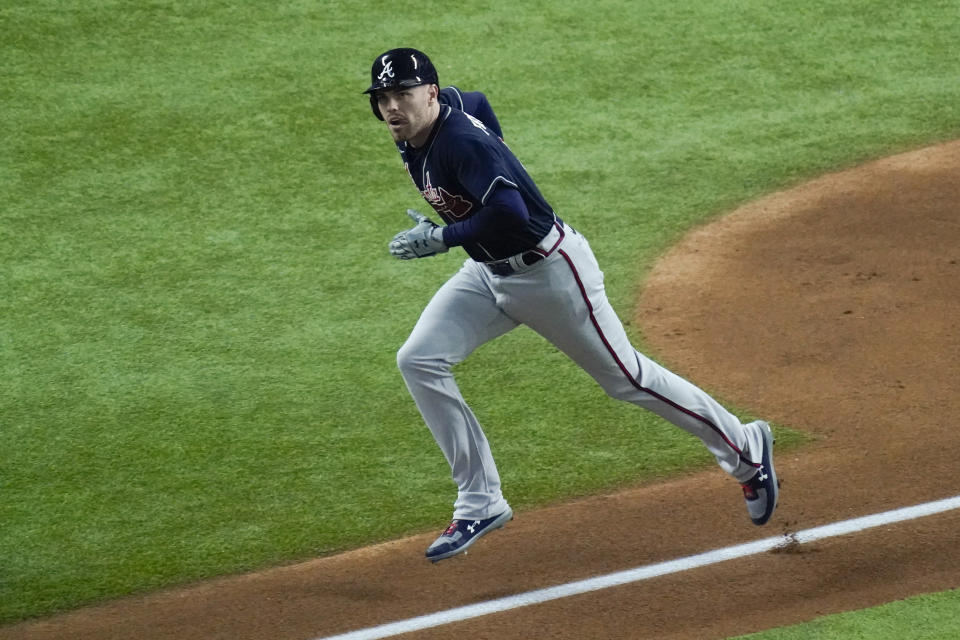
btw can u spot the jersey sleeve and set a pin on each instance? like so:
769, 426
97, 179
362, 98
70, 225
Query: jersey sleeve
504, 211
481, 165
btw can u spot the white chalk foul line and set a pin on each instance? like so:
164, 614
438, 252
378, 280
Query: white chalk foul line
645, 573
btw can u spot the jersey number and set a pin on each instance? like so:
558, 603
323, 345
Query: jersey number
477, 123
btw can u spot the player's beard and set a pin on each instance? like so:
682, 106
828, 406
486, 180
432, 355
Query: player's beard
400, 132
413, 128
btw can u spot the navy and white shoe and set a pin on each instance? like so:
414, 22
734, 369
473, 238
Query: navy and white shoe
462, 533
762, 490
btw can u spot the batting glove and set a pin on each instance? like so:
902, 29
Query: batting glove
423, 240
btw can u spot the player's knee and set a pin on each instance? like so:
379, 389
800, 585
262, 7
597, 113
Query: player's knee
620, 391
405, 358
412, 359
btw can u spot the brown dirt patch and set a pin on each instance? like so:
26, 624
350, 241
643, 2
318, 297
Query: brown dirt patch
831, 307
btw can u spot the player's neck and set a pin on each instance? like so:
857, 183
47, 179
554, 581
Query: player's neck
423, 135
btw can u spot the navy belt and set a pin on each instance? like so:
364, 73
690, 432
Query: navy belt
504, 268
520, 262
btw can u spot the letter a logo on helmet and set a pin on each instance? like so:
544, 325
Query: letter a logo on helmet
399, 69
387, 71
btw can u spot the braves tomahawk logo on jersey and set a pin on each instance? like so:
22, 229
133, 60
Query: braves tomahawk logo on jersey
449, 205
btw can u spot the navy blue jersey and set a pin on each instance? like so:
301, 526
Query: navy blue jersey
457, 169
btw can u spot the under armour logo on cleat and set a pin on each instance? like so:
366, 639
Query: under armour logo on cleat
471, 527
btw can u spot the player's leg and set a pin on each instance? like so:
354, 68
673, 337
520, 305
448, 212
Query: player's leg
565, 301
600, 345
461, 316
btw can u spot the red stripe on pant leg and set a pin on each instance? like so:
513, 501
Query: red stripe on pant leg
634, 381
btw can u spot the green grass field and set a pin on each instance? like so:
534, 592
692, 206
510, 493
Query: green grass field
199, 317
929, 617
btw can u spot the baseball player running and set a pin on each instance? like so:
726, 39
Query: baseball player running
525, 266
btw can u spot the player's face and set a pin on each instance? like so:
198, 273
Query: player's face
409, 113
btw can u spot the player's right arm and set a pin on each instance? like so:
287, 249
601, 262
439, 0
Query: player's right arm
504, 212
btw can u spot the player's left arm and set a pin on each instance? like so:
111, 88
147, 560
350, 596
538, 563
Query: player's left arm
475, 103
481, 109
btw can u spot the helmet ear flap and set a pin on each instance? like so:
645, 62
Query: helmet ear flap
374, 106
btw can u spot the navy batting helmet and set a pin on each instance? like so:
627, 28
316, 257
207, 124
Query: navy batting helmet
397, 69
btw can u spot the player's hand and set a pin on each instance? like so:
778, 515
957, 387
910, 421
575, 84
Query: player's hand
423, 240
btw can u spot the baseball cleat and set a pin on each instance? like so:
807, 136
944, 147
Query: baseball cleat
762, 490
462, 533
